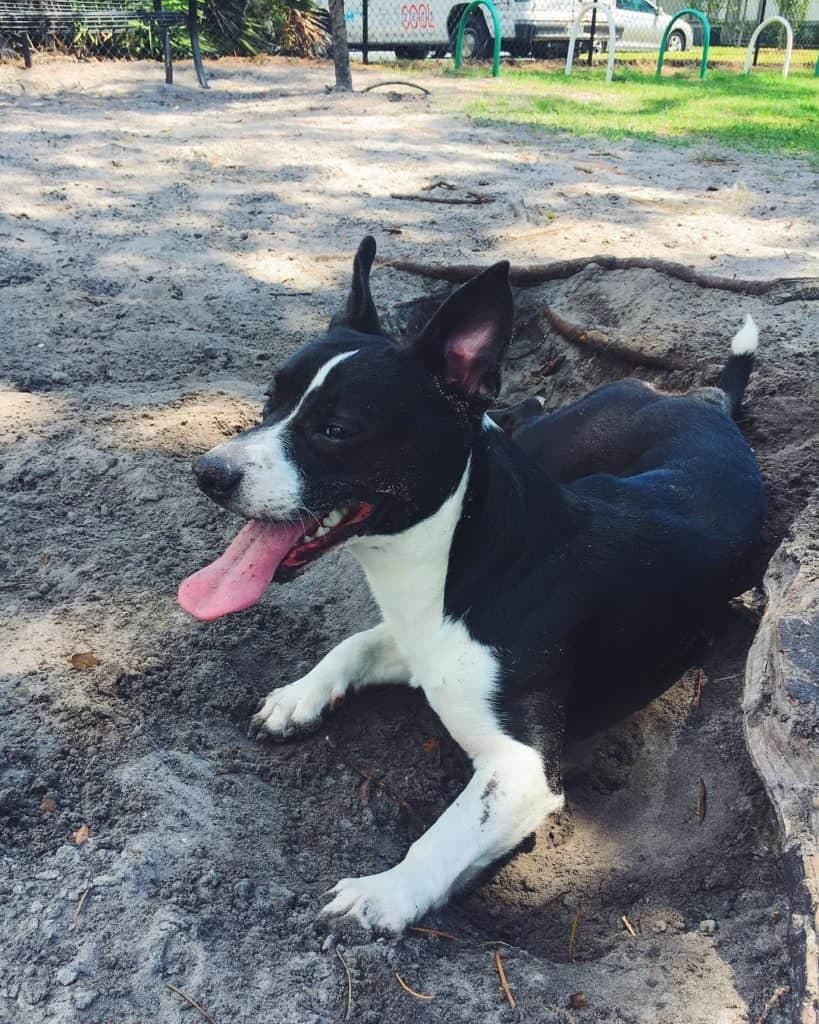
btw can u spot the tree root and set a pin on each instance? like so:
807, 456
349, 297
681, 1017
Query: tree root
776, 290
603, 345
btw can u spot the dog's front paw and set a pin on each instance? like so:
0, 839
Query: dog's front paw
381, 903
297, 708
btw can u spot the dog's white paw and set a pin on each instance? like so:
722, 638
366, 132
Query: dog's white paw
292, 709
381, 903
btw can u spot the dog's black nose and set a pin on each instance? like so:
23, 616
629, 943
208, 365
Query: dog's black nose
216, 475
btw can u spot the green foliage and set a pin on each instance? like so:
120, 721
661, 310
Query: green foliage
242, 27
757, 112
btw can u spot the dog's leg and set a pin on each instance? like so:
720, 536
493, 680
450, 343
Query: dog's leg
506, 800
360, 660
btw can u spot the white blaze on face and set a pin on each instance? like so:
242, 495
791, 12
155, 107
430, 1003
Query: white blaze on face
271, 485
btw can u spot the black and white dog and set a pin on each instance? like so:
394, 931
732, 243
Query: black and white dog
517, 578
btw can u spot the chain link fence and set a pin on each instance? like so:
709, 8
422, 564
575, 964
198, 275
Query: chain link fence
416, 29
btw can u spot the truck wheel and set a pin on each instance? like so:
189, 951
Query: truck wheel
477, 44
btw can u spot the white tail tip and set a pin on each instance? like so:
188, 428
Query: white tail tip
746, 339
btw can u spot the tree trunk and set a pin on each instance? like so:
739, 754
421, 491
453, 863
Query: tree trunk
341, 54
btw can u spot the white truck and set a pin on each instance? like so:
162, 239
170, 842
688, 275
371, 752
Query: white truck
418, 28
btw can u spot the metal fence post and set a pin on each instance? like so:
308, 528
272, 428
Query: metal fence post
365, 32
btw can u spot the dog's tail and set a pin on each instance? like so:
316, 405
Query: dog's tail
734, 377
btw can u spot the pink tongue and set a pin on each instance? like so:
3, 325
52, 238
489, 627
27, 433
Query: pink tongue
239, 578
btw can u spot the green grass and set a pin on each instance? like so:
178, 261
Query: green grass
756, 112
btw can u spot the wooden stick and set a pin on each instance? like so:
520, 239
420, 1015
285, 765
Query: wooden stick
775, 999
473, 199
349, 983
434, 933
191, 1002
406, 988
629, 926
573, 936
603, 345
81, 903
779, 289
397, 81
504, 983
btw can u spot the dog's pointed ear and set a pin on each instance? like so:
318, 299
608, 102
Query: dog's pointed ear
359, 313
465, 340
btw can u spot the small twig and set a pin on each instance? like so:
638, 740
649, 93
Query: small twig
81, 903
405, 805
775, 1000
504, 983
702, 802
573, 936
406, 988
549, 368
434, 933
698, 691
286, 295
349, 1005
190, 1001
440, 183
397, 81
629, 926
473, 199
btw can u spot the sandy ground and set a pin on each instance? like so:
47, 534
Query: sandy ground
160, 251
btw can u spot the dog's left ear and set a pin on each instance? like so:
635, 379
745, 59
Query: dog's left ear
359, 313
465, 340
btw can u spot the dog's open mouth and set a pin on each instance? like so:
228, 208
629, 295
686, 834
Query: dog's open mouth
238, 578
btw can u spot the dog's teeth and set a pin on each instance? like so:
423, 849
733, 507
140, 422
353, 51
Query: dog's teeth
320, 532
333, 519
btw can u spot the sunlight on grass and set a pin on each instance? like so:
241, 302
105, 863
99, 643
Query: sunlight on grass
760, 112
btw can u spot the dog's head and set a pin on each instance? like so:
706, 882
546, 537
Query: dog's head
360, 435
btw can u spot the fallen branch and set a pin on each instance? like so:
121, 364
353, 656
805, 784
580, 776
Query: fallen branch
349, 983
411, 991
397, 81
777, 289
504, 983
190, 1002
602, 344
473, 199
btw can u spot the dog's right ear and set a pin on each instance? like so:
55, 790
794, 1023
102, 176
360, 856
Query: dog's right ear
359, 314
464, 342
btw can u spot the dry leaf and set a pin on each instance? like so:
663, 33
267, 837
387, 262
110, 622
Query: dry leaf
82, 835
48, 806
84, 660
578, 1001
430, 744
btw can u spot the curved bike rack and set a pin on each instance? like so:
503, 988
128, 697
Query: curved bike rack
706, 38
788, 45
459, 42
575, 29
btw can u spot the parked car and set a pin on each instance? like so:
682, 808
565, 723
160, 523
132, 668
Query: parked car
643, 24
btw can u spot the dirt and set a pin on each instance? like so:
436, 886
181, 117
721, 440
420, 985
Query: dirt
161, 251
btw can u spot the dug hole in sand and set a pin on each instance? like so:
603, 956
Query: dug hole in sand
162, 250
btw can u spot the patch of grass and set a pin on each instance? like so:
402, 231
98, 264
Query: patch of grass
757, 112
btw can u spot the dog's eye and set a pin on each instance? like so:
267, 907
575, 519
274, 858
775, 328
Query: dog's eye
335, 432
